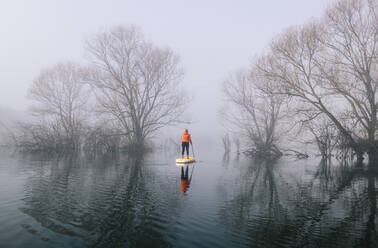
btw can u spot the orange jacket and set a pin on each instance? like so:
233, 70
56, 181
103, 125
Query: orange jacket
184, 185
186, 137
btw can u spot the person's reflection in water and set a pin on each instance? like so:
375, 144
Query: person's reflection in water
185, 180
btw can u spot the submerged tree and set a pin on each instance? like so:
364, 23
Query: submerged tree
60, 99
350, 67
226, 143
254, 111
326, 136
330, 68
136, 83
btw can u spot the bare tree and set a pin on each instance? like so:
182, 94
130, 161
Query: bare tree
326, 135
60, 99
350, 65
226, 143
102, 138
7, 135
237, 145
136, 83
254, 112
330, 68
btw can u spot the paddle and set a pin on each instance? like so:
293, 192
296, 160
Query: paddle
193, 150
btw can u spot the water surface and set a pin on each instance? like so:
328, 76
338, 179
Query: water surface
69, 201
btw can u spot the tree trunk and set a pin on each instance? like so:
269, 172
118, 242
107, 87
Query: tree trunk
373, 158
360, 156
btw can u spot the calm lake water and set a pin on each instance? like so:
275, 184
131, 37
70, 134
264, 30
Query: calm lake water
144, 202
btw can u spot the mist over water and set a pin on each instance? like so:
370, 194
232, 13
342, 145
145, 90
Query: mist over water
123, 201
279, 98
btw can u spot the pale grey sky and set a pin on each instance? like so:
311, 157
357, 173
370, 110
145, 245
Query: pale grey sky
212, 37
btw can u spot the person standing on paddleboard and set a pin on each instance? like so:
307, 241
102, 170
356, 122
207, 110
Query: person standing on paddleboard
186, 139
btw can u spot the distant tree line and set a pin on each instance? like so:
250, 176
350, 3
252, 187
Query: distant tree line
321, 76
129, 89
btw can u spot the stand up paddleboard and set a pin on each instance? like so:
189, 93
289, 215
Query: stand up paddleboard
184, 161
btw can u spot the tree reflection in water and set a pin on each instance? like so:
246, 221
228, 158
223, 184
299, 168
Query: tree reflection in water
334, 207
107, 205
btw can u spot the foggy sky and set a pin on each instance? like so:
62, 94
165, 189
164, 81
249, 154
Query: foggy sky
213, 38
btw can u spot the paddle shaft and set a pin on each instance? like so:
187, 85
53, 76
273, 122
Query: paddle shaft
193, 150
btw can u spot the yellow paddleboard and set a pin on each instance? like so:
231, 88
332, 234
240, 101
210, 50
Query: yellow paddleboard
185, 160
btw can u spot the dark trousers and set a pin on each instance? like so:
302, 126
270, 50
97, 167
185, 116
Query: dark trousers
184, 175
185, 145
